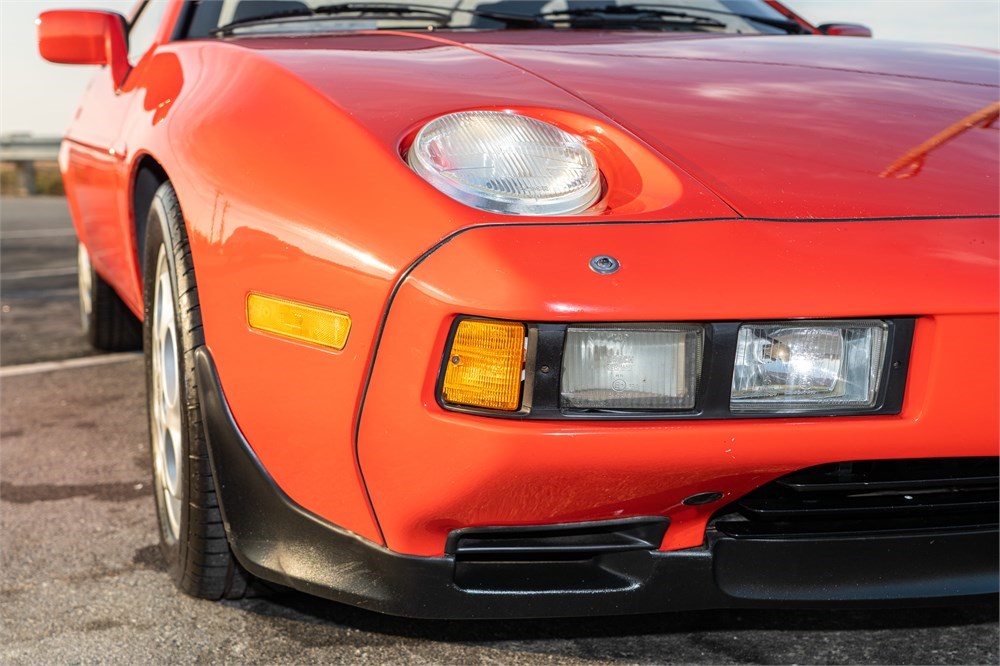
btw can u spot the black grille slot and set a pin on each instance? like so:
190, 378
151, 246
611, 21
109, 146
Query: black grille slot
562, 557
561, 541
870, 496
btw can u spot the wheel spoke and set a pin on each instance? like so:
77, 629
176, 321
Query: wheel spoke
166, 401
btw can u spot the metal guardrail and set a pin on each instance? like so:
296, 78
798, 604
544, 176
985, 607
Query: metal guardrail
23, 151
14, 148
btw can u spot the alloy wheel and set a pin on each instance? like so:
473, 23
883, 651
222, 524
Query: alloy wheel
168, 448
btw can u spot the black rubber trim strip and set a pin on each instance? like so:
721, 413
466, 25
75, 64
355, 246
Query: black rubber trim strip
183, 22
275, 539
88, 146
383, 319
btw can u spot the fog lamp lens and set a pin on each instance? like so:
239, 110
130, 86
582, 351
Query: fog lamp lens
485, 365
631, 366
808, 366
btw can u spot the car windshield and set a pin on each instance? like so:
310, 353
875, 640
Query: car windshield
224, 18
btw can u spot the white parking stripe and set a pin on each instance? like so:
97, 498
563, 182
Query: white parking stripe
36, 233
68, 364
40, 272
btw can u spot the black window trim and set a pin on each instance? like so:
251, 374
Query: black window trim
130, 22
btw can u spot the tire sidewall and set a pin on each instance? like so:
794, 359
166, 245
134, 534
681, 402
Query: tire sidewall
109, 325
163, 231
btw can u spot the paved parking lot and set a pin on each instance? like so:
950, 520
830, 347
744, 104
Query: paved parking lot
81, 578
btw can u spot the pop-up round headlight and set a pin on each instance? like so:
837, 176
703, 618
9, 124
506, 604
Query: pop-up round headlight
506, 163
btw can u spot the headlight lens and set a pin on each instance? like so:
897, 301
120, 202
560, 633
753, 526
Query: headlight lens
808, 366
631, 366
506, 163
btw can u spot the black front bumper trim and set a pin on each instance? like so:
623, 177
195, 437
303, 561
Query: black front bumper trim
277, 540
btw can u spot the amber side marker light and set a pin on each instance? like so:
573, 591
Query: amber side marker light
485, 365
298, 321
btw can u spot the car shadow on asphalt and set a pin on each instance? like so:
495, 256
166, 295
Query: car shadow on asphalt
305, 608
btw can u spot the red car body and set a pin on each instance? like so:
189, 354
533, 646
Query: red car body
746, 179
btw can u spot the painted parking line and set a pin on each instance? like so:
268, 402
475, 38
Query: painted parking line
38, 272
68, 364
36, 233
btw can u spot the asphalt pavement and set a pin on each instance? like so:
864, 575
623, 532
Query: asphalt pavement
82, 580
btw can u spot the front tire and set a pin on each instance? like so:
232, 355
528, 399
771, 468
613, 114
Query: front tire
192, 536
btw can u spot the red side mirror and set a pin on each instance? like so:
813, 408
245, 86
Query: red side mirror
845, 30
83, 37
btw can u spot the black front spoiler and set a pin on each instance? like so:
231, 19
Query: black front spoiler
279, 541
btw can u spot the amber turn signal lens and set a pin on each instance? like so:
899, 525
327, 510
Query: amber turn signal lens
485, 364
298, 321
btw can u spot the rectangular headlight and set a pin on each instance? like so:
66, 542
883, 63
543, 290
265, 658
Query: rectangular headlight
631, 366
804, 366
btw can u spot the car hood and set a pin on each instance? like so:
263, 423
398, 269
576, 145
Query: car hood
776, 127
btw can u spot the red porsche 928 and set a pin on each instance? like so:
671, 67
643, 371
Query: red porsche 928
463, 308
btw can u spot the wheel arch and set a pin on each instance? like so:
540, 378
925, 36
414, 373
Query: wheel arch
147, 176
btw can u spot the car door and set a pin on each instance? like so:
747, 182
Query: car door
96, 157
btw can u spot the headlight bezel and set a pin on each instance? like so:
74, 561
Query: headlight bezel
543, 368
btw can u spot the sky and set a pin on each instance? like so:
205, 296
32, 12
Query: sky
39, 97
